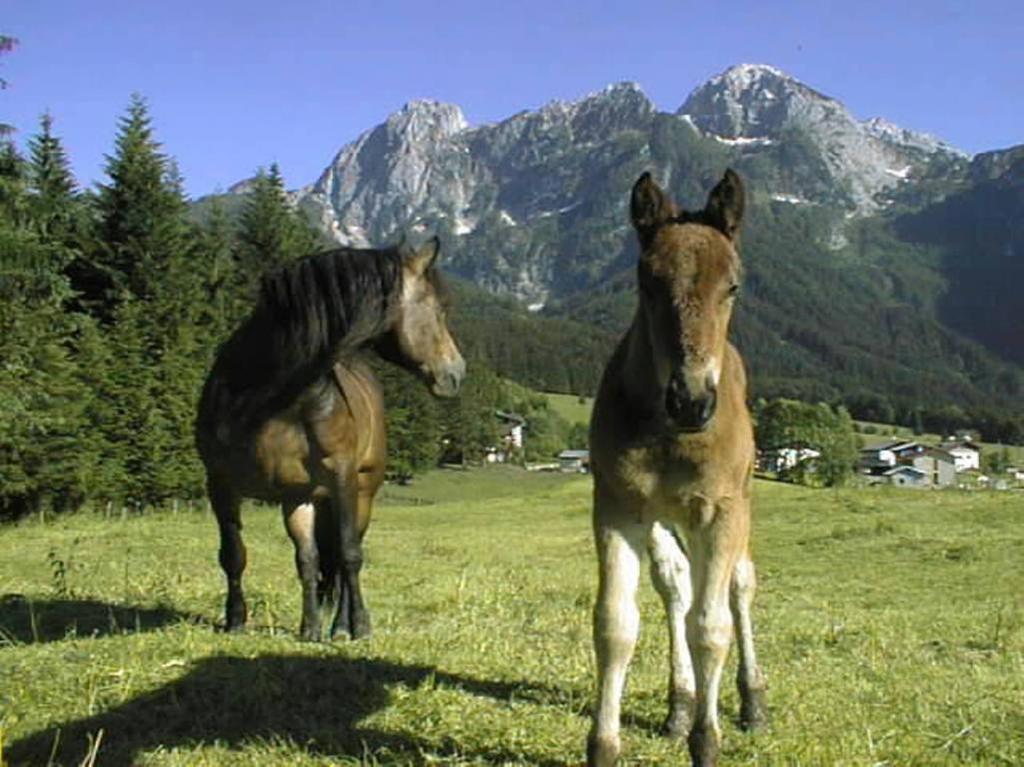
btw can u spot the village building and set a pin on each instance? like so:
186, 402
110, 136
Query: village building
577, 461
938, 465
786, 457
966, 455
906, 476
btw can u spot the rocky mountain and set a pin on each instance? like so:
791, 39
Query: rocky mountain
863, 162
860, 243
534, 204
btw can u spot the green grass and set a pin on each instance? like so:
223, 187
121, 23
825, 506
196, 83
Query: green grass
890, 624
570, 407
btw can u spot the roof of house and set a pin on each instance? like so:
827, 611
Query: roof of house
904, 469
572, 454
933, 452
962, 447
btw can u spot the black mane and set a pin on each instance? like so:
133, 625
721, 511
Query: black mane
309, 314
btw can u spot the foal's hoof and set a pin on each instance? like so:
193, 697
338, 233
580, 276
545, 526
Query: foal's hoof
753, 711
309, 634
679, 721
602, 752
677, 725
704, 746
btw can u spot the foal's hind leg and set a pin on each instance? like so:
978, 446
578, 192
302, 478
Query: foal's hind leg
232, 556
670, 572
749, 679
299, 521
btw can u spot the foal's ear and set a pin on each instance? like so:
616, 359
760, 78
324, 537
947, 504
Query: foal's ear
726, 202
649, 207
420, 260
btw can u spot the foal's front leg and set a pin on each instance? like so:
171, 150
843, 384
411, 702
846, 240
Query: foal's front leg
670, 572
299, 521
716, 543
620, 542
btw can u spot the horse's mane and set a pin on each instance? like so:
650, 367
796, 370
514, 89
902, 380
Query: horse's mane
309, 314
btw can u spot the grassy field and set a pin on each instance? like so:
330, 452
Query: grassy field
891, 627
571, 407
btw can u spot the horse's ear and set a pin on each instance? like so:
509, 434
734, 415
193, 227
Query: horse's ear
421, 259
726, 202
649, 207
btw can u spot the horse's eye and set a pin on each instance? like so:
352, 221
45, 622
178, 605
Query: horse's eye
734, 290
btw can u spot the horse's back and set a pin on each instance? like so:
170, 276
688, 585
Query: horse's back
335, 427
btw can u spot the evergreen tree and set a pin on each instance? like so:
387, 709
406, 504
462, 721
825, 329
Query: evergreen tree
270, 233
41, 399
50, 183
6, 46
142, 211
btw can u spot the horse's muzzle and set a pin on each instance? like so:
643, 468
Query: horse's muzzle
689, 413
448, 381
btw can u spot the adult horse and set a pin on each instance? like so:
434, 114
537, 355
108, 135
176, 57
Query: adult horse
672, 455
291, 414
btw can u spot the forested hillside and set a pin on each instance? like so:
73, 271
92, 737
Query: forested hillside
113, 302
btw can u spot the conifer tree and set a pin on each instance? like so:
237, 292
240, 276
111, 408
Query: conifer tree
7, 44
50, 183
142, 210
270, 232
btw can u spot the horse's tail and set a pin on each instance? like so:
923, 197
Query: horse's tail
328, 544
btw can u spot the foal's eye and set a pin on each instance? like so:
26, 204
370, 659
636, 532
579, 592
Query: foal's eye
734, 290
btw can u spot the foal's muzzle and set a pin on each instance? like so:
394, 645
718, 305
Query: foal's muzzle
689, 413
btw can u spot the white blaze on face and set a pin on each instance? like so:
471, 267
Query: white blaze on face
704, 378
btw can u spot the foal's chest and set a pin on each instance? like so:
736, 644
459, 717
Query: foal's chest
668, 481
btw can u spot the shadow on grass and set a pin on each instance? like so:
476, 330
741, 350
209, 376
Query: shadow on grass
25, 620
315, 703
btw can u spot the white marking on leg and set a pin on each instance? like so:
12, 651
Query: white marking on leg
670, 572
616, 626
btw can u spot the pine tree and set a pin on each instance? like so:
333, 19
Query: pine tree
7, 44
41, 398
270, 233
50, 183
142, 210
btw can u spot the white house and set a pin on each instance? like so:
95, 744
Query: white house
782, 458
965, 456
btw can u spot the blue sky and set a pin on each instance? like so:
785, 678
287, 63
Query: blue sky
235, 85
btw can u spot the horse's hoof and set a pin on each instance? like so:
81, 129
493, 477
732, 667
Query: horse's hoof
235, 627
361, 627
309, 635
753, 712
704, 747
602, 752
677, 726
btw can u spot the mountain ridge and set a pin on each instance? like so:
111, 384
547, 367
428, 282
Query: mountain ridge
535, 207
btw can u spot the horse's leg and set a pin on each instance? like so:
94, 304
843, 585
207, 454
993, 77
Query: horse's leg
749, 679
299, 521
330, 587
620, 540
352, 617
232, 555
670, 572
716, 543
